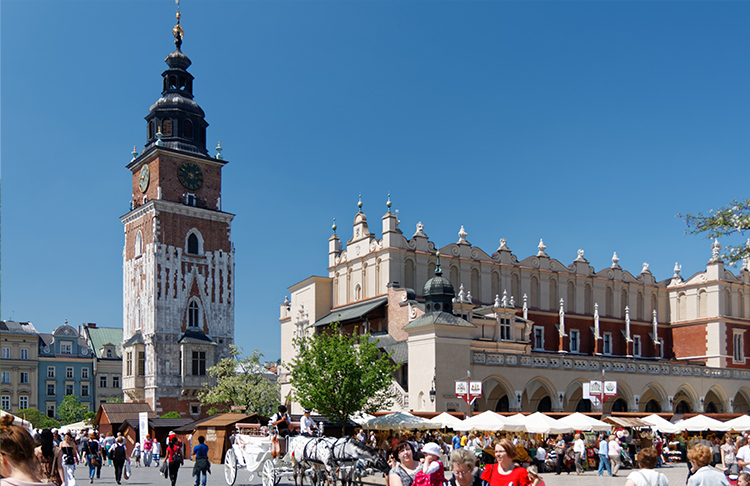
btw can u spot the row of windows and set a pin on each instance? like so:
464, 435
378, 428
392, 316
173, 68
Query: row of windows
23, 402
575, 342
141, 363
23, 355
69, 372
69, 389
198, 366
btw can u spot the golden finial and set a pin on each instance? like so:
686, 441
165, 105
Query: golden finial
177, 29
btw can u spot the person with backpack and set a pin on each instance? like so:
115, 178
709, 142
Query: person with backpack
147, 451
118, 454
174, 458
68, 459
93, 455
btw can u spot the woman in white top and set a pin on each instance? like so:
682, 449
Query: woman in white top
729, 455
647, 476
613, 451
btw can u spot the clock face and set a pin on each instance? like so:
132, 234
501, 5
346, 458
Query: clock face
190, 175
144, 178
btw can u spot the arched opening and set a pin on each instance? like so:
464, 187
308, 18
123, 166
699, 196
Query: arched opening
503, 405
409, 274
476, 290
138, 243
652, 407
711, 408
588, 299
570, 303
193, 314
620, 405
166, 127
584, 405
495, 283
192, 244
534, 293
553, 298
515, 288
609, 304
683, 407
545, 405
188, 129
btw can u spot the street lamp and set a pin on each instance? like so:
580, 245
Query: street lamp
432, 390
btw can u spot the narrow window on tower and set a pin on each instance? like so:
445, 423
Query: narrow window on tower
193, 314
190, 199
151, 129
199, 363
166, 127
129, 364
141, 363
188, 129
192, 246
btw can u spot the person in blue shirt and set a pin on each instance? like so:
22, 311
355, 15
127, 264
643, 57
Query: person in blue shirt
603, 456
456, 442
202, 466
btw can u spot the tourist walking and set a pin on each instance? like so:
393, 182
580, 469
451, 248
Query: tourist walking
118, 454
647, 476
603, 456
147, 451
202, 465
45, 455
614, 450
174, 458
155, 451
136, 454
579, 450
700, 457
18, 461
560, 449
505, 472
93, 455
68, 458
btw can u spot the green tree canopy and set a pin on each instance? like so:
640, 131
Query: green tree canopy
38, 419
241, 382
171, 414
71, 410
339, 374
729, 220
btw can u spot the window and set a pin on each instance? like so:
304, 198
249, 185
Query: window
607, 344
24, 353
193, 313
575, 340
51, 390
6, 353
190, 201
166, 127
109, 353
141, 363
23, 402
69, 372
739, 346
188, 129
24, 378
50, 371
66, 348
84, 390
69, 388
538, 337
129, 363
195, 410
51, 410
505, 329
5, 377
103, 381
636, 345
115, 382
84, 373
199, 363
5, 402
192, 246
139, 243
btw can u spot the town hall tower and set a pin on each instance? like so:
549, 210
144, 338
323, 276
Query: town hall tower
178, 258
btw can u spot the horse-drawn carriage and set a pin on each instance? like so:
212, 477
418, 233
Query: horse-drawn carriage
321, 458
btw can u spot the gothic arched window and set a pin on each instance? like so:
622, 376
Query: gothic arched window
193, 314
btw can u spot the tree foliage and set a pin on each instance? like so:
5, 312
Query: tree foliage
71, 410
729, 220
339, 374
241, 382
38, 419
171, 414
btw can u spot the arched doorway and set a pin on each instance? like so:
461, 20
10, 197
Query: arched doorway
711, 408
653, 407
545, 405
682, 407
503, 405
620, 405
584, 405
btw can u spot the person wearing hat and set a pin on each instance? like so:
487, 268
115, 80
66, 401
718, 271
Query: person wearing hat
534, 477
282, 421
432, 472
307, 424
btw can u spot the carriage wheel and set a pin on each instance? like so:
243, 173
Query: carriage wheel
270, 477
230, 467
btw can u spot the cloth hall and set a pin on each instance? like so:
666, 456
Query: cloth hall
533, 329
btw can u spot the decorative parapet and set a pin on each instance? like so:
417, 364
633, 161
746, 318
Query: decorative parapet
613, 365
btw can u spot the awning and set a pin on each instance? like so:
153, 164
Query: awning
626, 421
351, 312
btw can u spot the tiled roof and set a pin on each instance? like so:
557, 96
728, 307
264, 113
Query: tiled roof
120, 412
350, 312
137, 338
101, 336
195, 337
18, 327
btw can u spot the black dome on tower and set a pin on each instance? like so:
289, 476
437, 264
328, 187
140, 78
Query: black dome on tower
175, 118
438, 292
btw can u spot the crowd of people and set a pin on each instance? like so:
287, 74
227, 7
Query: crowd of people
50, 457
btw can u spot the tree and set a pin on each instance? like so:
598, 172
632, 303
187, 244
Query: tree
38, 419
725, 221
240, 382
171, 414
71, 410
339, 374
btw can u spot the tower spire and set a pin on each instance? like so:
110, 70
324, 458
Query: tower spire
177, 29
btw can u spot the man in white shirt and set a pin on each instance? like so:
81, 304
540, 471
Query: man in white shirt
579, 449
743, 458
306, 424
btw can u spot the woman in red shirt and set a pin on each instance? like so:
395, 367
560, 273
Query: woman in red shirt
505, 472
174, 457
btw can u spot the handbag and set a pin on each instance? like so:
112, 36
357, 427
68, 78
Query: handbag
126, 471
164, 469
95, 461
177, 457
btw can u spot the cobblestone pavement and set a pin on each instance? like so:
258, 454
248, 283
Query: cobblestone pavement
150, 476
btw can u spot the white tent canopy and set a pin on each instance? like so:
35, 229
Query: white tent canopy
74, 427
579, 421
399, 421
701, 423
488, 421
739, 424
661, 424
538, 423
446, 420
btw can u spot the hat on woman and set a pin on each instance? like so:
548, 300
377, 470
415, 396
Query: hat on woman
431, 448
533, 470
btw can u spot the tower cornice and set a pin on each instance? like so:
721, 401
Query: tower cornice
152, 152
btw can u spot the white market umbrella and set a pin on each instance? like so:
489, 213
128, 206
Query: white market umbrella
739, 424
488, 420
399, 421
538, 423
580, 421
74, 427
361, 417
446, 420
661, 424
701, 423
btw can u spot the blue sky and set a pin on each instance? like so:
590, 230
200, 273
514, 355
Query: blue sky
589, 124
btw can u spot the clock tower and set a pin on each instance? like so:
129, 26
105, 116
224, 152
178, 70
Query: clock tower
178, 259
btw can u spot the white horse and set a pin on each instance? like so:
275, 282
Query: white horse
312, 455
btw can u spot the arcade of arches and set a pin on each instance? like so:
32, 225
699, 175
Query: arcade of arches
540, 394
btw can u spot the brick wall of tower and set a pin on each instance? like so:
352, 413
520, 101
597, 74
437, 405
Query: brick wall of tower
173, 230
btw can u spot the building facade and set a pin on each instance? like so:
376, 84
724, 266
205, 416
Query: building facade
534, 330
106, 346
65, 368
19, 366
178, 258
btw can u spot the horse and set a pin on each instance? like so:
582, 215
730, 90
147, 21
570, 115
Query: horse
351, 457
312, 455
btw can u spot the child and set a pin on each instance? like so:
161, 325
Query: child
137, 454
534, 477
432, 472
